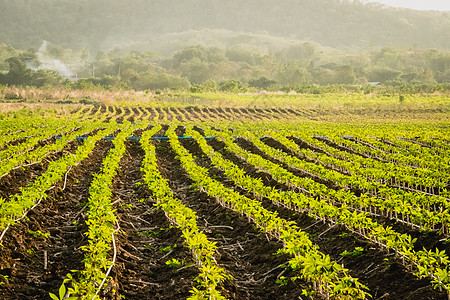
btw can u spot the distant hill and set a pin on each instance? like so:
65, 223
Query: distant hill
162, 24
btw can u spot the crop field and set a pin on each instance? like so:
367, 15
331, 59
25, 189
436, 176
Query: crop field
139, 202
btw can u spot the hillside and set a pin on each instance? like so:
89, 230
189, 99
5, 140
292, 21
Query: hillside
104, 24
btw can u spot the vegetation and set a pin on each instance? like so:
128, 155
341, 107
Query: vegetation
167, 24
304, 68
351, 175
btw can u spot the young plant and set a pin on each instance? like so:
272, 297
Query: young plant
173, 263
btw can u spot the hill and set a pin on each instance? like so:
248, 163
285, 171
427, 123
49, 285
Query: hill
105, 24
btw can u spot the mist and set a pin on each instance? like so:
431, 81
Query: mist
165, 25
47, 62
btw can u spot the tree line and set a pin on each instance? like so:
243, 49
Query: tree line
304, 67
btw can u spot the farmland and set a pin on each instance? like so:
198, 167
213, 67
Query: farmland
226, 202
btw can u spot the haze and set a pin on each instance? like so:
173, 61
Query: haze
442, 5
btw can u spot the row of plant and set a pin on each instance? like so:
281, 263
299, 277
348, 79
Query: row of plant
13, 208
384, 172
20, 122
405, 147
419, 179
58, 128
211, 275
438, 139
32, 156
412, 208
21, 128
409, 148
375, 176
101, 222
318, 206
327, 277
428, 169
424, 163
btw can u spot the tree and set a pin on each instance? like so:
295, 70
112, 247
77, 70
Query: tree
382, 74
344, 75
303, 52
155, 81
18, 73
290, 73
262, 82
196, 71
232, 86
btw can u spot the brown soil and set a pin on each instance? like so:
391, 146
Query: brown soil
185, 113
244, 251
160, 114
11, 183
372, 267
60, 215
147, 239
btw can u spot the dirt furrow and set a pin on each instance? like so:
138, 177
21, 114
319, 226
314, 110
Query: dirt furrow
147, 240
372, 265
21, 176
244, 251
38, 252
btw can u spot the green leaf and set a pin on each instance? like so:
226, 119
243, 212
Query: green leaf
53, 296
62, 291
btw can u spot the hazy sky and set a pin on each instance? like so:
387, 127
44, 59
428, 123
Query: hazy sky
417, 4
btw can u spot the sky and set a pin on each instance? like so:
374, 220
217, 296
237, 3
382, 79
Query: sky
443, 5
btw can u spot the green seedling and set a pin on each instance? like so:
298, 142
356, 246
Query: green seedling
5, 278
173, 263
168, 248
62, 292
282, 280
357, 252
38, 234
149, 233
308, 294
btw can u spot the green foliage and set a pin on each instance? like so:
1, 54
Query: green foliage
198, 68
39, 234
63, 291
262, 82
173, 263
123, 24
232, 86
357, 252
282, 280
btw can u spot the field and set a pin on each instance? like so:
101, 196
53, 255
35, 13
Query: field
191, 199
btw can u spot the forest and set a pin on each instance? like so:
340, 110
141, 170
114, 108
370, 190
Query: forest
305, 67
162, 24
234, 46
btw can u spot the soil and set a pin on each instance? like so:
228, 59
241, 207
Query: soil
372, 267
159, 112
151, 114
32, 265
118, 112
244, 251
147, 240
184, 113
11, 183
22, 258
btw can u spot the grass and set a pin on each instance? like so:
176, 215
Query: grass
336, 107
